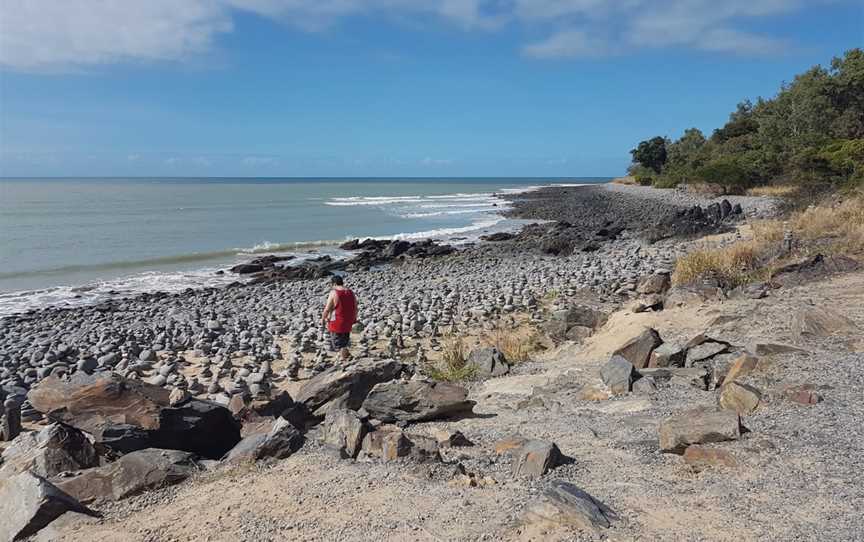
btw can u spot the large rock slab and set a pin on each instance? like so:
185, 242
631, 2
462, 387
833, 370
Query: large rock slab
565, 504
638, 349
29, 502
347, 386
416, 400
129, 415
679, 432
488, 362
821, 322
130, 475
280, 442
55, 449
343, 430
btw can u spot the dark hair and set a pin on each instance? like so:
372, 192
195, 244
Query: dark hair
337, 280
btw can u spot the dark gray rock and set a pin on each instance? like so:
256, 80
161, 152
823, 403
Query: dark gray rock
54, 449
343, 430
618, 375
416, 400
130, 475
638, 349
565, 504
679, 432
488, 362
534, 458
280, 442
29, 502
350, 386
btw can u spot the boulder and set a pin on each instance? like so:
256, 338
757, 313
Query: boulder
343, 430
618, 375
638, 349
679, 432
566, 505
487, 362
416, 400
281, 441
656, 283
668, 355
534, 458
739, 397
705, 351
54, 449
387, 442
505, 445
821, 322
128, 415
581, 315
741, 367
578, 333
687, 376
130, 475
350, 386
29, 502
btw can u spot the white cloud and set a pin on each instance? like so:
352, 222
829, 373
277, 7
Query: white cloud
429, 161
256, 161
133, 157
50, 35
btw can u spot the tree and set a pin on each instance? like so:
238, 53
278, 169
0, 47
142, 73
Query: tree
726, 172
651, 153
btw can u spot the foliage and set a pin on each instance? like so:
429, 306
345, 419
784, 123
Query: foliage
811, 134
651, 153
453, 366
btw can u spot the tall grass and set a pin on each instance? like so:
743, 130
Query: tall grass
453, 366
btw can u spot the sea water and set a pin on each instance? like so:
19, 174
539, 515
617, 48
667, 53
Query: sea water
66, 242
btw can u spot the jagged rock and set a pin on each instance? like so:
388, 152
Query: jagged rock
688, 376
129, 415
343, 430
821, 322
387, 442
657, 283
349, 386
668, 355
133, 473
638, 349
488, 362
644, 385
29, 502
534, 458
416, 400
618, 375
565, 504
679, 432
581, 315
281, 441
648, 302
704, 351
578, 333
741, 367
54, 449
739, 397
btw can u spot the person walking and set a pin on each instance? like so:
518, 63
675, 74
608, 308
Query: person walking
340, 314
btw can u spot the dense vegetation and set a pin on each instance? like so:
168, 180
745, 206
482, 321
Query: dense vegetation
811, 134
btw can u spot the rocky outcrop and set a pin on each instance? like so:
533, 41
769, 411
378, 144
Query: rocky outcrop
54, 449
346, 388
128, 415
29, 502
416, 401
679, 432
282, 440
130, 475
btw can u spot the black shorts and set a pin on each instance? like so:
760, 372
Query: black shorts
338, 341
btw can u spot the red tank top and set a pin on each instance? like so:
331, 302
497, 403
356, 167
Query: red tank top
345, 314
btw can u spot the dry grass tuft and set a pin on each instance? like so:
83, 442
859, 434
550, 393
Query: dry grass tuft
833, 228
775, 191
704, 189
453, 365
517, 345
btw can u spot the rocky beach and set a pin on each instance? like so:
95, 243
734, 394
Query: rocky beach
641, 410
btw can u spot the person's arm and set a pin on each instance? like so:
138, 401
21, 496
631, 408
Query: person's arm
329, 307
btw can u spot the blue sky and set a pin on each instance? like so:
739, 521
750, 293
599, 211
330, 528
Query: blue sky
386, 87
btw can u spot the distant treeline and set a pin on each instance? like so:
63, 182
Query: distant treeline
810, 134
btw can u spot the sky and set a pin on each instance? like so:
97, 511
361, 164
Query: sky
357, 88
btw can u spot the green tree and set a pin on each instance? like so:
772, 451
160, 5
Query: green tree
651, 153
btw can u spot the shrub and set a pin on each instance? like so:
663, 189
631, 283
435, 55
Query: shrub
517, 345
665, 181
730, 266
453, 365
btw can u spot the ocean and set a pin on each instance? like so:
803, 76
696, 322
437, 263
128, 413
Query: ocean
67, 242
